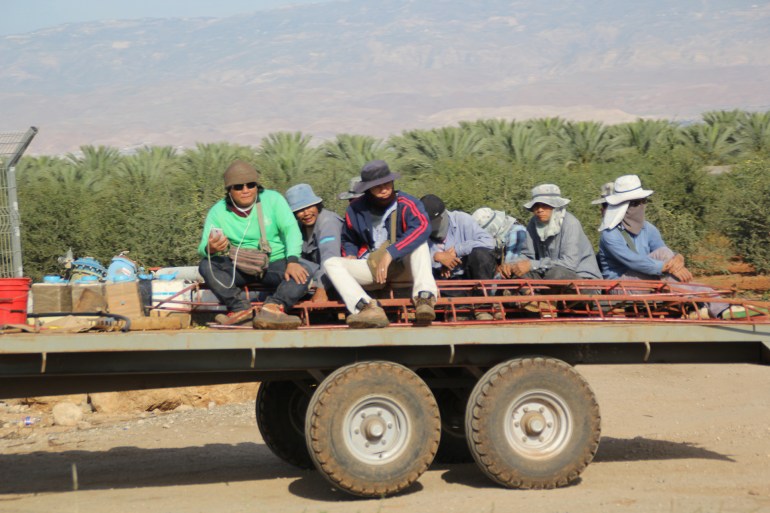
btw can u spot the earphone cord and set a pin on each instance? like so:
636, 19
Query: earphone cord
235, 260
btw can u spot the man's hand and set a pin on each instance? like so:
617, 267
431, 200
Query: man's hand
446, 272
382, 267
320, 296
517, 269
682, 274
217, 242
674, 264
448, 258
295, 272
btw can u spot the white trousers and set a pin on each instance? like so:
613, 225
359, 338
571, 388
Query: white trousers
350, 277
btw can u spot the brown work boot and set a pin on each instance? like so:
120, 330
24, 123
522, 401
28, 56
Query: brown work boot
370, 315
424, 313
272, 317
234, 318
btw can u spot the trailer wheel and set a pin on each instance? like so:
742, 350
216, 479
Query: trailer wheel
281, 408
372, 428
453, 447
533, 423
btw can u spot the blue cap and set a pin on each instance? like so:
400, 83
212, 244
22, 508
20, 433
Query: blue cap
301, 196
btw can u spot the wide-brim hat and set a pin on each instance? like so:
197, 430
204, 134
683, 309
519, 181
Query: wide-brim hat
627, 188
548, 194
375, 173
301, 196
607, 189
351, 192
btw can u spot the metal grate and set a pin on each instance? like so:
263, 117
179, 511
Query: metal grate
12, 147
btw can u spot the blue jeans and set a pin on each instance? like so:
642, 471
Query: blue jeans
219, 275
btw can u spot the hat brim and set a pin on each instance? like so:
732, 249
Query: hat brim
617, 199
349, 195
365, 186
551, 202
599, 201
307, 203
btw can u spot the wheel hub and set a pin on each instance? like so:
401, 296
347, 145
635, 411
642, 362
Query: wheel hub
376, 430
538, 424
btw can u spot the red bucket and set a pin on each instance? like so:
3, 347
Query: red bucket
13, 300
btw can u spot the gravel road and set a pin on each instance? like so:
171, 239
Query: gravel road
675, 439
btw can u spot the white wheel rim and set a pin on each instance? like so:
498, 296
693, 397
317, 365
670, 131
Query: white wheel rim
376, 430
538, 424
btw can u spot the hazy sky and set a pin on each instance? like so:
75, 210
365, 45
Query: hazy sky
20, 16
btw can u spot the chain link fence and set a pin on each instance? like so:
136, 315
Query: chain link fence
12, 147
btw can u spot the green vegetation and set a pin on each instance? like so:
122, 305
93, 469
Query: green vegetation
712, 181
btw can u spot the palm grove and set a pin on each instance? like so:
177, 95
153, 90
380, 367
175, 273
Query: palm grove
712, 181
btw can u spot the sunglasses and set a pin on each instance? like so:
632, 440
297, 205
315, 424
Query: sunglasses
240, 186
636, 203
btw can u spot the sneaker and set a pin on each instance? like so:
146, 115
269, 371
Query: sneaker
424, 313
272, 317
483, 316
234, 318
370, 315
741, 312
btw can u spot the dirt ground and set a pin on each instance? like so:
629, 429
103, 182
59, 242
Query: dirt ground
675, 438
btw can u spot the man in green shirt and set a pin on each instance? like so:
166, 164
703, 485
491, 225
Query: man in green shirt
232, 231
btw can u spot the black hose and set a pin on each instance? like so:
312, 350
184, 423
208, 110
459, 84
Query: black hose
117, 317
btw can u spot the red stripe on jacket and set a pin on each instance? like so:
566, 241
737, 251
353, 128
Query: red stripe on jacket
418, 231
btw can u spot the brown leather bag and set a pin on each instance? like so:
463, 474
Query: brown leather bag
375, 256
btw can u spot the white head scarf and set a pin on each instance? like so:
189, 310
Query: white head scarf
613, 216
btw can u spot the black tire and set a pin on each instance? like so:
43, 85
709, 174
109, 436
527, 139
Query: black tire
533, 423
281, 408
372, 428
453, 447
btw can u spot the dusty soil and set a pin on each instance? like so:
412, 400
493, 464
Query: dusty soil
675, 438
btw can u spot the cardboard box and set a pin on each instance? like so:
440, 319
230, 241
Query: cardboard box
123, 298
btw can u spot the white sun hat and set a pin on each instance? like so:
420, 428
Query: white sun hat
627, 188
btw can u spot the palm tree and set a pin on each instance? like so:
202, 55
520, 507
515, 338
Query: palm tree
94, 163
353, 151
583, 142
518, 143
753, 134
723, 117
712, 144
419, 150
286, 157
643, 135
149, 166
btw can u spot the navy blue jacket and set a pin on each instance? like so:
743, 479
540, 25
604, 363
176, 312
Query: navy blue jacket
412, 227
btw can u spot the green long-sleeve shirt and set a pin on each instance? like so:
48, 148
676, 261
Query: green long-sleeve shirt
282, 229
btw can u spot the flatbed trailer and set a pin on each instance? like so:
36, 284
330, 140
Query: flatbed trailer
370, 409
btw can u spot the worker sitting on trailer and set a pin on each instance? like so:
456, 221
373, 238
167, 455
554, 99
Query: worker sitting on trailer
557, 247
251, 236
460, 249
631, 247
320, 229
510, 236
384, 239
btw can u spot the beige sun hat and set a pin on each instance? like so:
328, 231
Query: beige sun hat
548, 194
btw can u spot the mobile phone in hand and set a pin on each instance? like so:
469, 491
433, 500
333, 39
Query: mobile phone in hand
215, 233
